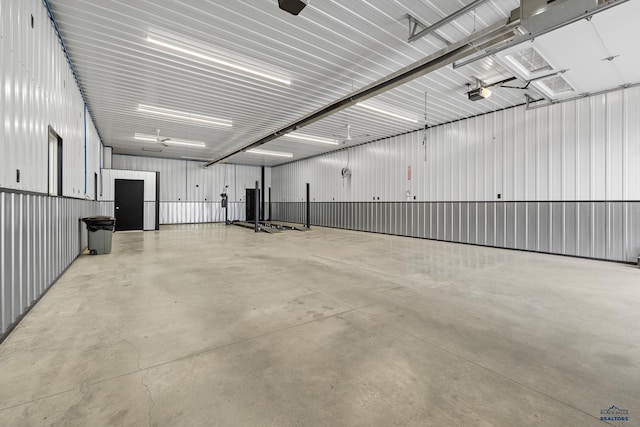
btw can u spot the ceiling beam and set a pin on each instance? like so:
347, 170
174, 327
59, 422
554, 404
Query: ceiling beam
444, 21
562, 21
481, 39
489, 40
415, 25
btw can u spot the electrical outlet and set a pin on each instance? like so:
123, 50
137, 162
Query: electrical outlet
499, 196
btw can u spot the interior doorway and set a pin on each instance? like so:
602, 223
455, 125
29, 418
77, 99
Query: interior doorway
55, 163
129, 204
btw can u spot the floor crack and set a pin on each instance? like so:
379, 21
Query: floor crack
153, 403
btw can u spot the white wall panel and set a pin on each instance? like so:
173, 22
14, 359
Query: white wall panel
107, 156
39, 235
110, 175
149, 178
191, 194
38, 90
585, 151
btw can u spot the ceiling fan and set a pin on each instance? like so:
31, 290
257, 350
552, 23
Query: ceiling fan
160, 140
349, 137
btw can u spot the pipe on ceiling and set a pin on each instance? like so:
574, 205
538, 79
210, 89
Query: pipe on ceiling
481, 39
444, 21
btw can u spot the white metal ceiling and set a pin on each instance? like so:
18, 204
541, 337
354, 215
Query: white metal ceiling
330, 48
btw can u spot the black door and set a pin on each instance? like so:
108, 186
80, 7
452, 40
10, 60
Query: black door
251, 204
129, 198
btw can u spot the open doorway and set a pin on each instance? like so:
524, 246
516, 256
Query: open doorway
55, 163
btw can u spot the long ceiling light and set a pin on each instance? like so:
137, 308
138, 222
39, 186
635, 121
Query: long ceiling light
386, 112
311, 138
269, 152
171, 141
216, 60
200, 159
197, 118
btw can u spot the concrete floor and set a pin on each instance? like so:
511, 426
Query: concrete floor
213, 325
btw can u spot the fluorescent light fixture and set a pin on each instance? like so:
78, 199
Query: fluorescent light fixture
269, 152
216, 60
195, 158
170, 141
198, 118
311, 138
388, 113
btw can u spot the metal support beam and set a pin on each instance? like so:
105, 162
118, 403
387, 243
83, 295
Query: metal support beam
553, 25
262, 186
256, 216
269, 203
500, 34
415, 26
480, 39
308, 223
533, 104
444, 21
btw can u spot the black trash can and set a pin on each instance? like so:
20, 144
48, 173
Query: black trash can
100, 229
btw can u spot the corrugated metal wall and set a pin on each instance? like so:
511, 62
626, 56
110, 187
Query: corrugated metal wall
38, 90
604, 230
39, 235
567, 177
190, 193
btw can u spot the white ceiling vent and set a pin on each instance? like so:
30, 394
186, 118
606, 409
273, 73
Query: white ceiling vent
529, 61
555, 85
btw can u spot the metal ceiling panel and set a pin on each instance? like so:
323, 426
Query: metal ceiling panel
331, 48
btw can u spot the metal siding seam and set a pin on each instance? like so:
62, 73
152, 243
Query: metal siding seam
402, 216
464, 222
455, 222
30, 253
626, 228
387, 218
617, 234
13, 268
473, 217
3, 264
22, 244
633, 250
